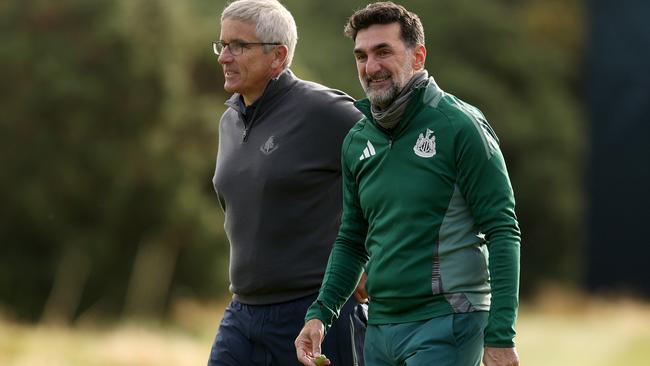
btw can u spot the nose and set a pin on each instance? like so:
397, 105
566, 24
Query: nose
225, 56
372, 66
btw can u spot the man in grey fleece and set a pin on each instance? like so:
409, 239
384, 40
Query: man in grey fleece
278, 179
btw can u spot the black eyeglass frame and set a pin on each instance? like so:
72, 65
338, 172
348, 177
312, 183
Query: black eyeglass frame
239, 49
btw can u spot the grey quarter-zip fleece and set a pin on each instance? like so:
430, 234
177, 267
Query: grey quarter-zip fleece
278, 179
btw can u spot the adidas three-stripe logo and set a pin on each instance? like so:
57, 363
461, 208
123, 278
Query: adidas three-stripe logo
368, 151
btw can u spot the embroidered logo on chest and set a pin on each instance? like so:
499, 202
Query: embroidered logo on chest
425, 146
269, 146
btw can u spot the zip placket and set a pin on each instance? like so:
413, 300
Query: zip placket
245, 135
247, 128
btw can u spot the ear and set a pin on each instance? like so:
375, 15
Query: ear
280, 54
420, 54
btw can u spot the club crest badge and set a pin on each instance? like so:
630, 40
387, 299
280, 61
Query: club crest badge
425, 146
269, 146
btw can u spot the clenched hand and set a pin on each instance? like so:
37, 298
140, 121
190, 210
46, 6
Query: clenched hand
493, 356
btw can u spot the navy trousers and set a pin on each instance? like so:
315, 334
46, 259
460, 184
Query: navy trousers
263, 335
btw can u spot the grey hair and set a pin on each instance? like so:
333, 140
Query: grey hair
273, 22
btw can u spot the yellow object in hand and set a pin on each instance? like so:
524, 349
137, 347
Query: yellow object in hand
320, 360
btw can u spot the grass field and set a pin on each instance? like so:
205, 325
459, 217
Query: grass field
555, 330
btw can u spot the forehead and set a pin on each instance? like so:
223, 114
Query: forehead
378, 34
233, 29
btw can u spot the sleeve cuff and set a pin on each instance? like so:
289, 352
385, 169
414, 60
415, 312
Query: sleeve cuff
320, 311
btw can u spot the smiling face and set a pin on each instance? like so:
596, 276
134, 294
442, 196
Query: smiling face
249, 72
384, 63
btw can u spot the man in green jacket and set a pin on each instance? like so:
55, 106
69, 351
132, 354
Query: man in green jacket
426, 198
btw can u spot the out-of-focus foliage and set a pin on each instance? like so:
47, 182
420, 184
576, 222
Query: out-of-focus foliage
109, 127
108, 139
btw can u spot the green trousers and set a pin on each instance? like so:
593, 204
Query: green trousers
450, 340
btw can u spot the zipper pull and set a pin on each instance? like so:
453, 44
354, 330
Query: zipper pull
245, 135
390, 144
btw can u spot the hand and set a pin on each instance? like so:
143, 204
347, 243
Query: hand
360, 293
493, 356
309, 341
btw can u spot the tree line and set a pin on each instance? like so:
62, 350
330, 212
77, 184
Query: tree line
109, 134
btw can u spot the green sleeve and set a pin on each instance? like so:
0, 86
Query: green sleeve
484, 182
347, 259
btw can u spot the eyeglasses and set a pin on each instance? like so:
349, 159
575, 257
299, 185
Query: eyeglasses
236, 48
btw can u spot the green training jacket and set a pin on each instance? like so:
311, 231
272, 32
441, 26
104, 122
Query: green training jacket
423, 206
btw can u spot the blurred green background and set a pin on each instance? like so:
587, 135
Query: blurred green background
109, 135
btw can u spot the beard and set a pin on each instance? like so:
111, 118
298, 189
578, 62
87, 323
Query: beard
383, 97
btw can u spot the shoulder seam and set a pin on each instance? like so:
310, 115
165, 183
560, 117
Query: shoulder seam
489, 143
353, 131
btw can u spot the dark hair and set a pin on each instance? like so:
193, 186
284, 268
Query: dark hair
387, 12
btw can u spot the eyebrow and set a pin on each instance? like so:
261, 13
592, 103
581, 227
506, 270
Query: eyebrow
236, 40
373, 48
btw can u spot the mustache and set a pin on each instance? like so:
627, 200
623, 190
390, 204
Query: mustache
378, 76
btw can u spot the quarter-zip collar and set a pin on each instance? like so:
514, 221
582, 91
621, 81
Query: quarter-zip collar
275, 88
